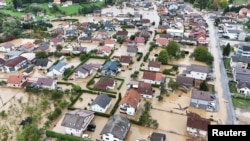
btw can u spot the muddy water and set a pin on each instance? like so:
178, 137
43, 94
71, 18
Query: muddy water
243, 116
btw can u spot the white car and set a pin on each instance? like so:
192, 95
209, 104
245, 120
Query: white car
86, 136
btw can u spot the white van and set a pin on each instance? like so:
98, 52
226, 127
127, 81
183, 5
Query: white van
85, 136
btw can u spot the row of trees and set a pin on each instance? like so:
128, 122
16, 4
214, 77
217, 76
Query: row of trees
146, 119
208, 4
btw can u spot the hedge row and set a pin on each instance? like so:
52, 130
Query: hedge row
116, 104
119, 87
53, 134
74, 101
140, 56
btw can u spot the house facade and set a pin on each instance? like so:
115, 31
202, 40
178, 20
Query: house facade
75, 122
129, 104
58, 69
16, 81
15, 64
243, 88
197, 72
203, 99
101, 103
46, 83
154, 66
112, 129
152, 77
110, 68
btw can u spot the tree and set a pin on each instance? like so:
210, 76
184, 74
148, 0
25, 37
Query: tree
17, 3
173, 84
173, 49
204, 86
226, 50
59, 48
120, 40
223, 3
41, 54
247, 39
76, 88
12, 28
163, 57
215, 4
202, 54
31, 132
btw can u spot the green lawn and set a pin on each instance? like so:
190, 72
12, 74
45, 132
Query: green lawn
229, 75
241, 103
227, 63
232, 87
12, 13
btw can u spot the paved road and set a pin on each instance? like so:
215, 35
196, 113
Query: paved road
221, 75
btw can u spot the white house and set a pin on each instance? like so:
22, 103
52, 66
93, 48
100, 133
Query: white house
154, 66
15, 64
243, 88
46, 83
84, 71
129, 104
197, 72
115, 129
109, 43
58, 69
197, 126
7, 47
133, 84
75, 122
176, 32
101, 103
152, 77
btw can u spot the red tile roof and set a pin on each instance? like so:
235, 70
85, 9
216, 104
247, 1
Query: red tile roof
132, 97
139, 39
145, 88
162, 41
28, 45
15, 79
109, 41
125, 59
157, 76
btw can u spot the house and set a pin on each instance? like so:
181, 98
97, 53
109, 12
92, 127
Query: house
130, 103
145, 89
58, 69
103, 51
132, 50
75, 122
46, 83
243, 88
203, 99
197, 126
3, 3
154, 66
162, 42
175, 32
109, 43
79, 50
43, 63
101, 103
28, 71
105, 83
84, 70
133, 84
29, 56
87, 39
44, 47
145, 22
16, 81
115, 129
97, 13
2, 61
162, 28
27, 47
243, 50
139, 40
137, 16
201, 39
122, 34
237, 61
184, 81
110, 68
197, 71
125, 60
109, 26
7, 47
153, 77
56, 41
157, 137
102, 34
241, 74
15, 64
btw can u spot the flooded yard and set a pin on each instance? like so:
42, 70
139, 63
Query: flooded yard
95, 61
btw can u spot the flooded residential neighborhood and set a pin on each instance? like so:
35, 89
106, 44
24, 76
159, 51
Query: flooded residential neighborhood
144, 70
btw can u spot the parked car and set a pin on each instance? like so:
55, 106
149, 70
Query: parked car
91, 127
86, 136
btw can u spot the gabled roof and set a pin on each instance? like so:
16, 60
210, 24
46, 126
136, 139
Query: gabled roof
145, 88
125, 59
2, 61
45, 81
85, 68
154, 64
162, 41
77, 118
133, 49
15, 79
104, 82
122, 33
110, 65
197, 122
59, 66
43, 62
201, 95
152, 75
44, 46
198, 68
132, 97
102, 100
183, 80
8, 45
243, 85
118, 126
15, 61
28, 45
243, 59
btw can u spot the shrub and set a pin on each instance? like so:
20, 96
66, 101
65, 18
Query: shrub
63, 137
